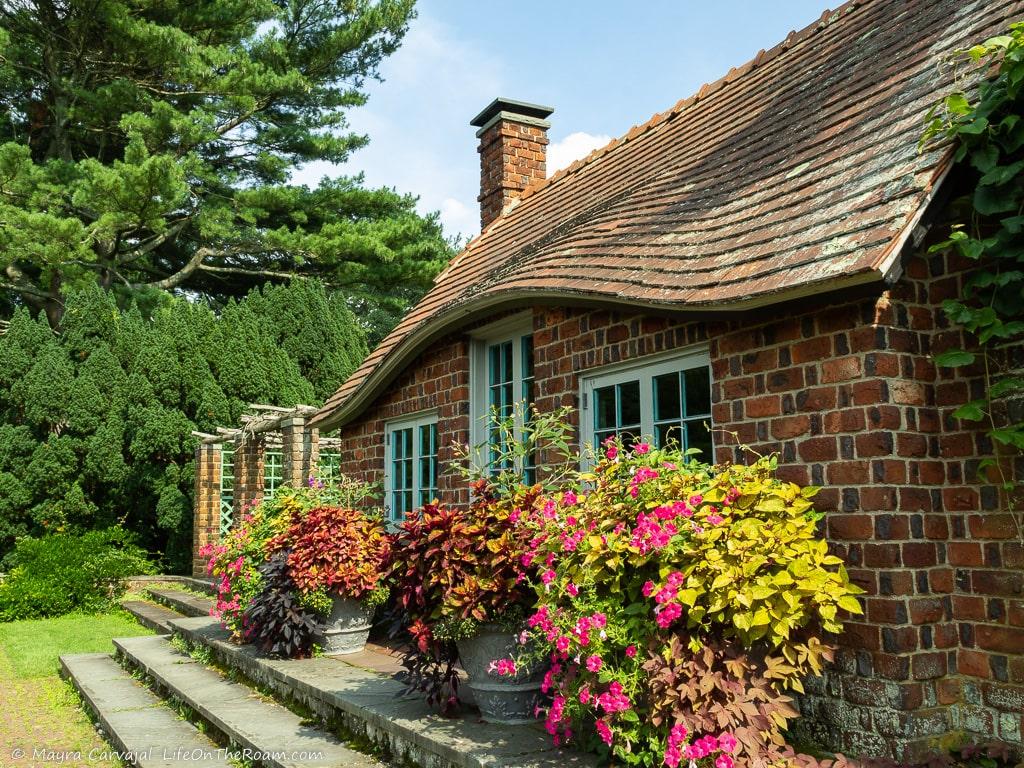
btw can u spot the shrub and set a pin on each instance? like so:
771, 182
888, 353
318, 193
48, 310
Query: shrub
276, 621
60, 573
670, 575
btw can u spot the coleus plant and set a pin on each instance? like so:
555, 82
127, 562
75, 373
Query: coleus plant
276, 621
336, 550
462, 568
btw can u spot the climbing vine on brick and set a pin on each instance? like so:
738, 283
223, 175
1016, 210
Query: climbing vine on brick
987, 124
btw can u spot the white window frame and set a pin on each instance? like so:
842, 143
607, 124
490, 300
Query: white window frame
645, 369
512, 329
413, 421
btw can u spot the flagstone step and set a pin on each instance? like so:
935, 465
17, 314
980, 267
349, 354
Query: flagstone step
266, 732
185, 603
151, 615
138, 725
348, 694
204, 585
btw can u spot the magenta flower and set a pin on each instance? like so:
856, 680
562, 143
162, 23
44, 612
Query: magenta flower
631, 651
594, 663
726, 742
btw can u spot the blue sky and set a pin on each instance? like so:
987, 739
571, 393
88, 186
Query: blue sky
604, 66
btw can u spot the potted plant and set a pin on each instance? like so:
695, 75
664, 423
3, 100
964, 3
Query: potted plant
465, 590
338, 559
464, 581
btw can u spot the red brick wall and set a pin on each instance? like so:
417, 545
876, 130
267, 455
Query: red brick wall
847, 396
437, 379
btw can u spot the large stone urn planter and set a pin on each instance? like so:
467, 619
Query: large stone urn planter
347, 627
502, 700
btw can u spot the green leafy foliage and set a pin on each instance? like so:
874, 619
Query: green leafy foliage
162, 160
61, 573
96, 419
987, 128
677, 603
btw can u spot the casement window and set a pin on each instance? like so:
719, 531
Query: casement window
410, 477
503, 384
665, 400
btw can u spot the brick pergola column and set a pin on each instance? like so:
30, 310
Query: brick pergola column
299, 452
249, 450
206, 514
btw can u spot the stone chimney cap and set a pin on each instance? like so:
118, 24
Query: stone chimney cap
511, 109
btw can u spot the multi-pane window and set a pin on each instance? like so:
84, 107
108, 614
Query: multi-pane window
411, 477
667, 401
427, 479
500, 394
503, 388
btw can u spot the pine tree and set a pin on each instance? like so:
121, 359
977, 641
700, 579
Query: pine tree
161, 159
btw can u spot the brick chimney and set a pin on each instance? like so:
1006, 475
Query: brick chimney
513, 148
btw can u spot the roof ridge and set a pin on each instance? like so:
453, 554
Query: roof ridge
827, 18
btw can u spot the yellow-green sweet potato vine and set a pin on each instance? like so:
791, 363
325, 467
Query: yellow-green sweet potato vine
659, 556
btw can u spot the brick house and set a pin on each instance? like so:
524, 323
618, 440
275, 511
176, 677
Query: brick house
754, 258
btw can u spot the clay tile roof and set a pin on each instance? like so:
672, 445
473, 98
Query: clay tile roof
795, 173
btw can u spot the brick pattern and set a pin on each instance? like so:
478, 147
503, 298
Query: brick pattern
300, 451
249, 450
846, 394
206, 513
439, 379
850, 400
512, 156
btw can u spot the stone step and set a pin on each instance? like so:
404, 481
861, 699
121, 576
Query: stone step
345, 692
267, 733
204, 585
135, 720
184, 603
151, 615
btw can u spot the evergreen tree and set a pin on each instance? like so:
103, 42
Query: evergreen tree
147, 145
96, 420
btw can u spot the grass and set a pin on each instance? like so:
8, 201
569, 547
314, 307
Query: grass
44, 717
32, 646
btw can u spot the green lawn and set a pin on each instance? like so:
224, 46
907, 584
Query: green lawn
41, 711
32, 646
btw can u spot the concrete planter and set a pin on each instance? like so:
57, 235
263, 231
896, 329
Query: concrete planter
502, 700
347, 628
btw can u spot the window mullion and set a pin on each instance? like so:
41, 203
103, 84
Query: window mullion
646, 406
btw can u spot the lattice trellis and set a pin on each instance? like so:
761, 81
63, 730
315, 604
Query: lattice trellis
227, 489
329, 465
273, 472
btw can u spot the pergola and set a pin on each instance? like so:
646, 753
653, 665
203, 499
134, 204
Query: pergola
238, 466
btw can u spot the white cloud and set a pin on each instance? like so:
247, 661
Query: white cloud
573, 147
458, 217
418, 123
